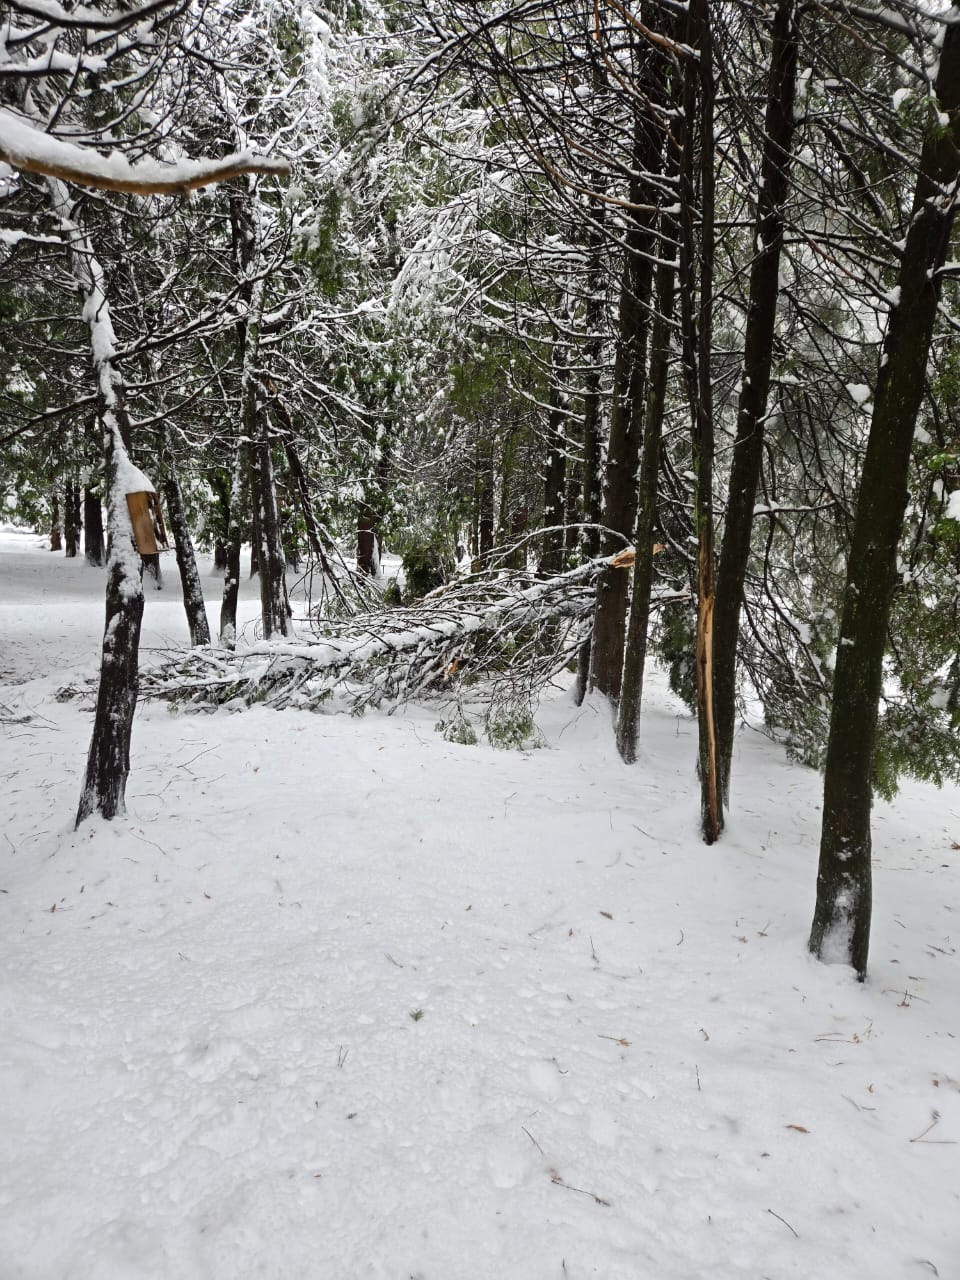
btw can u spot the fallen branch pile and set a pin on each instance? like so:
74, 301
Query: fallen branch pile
510, 633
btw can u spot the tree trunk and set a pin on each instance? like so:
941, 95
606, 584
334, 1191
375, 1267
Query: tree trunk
484, 501
219, 519
626, 412
108, 759
841, 922
631, 693
56, 538
72, 527
757, 363
696, 312
93, 548
512, 515
151, 567
368, 542
274, 604
592, 487
231, 573
256, 533
370, 516
555, 479
193, 603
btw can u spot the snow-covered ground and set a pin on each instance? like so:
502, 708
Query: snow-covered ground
340, 999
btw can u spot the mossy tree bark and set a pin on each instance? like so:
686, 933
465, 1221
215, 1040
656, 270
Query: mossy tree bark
841, 922
757, 362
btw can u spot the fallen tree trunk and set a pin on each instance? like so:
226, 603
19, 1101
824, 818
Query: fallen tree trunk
499, 631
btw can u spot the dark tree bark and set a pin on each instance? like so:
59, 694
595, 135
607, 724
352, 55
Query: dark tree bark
219, 482
555, 479
592, 486
108, 759
757, 363
572, 497
231, 573
484, 503
631, 693
56, 533
193, 604
841, 922
696, 262
267, 556
256, 534
368, 542
626, 412
512, 515
93, 545
554, 485
274, 605
151, 567
73, 519
370, 515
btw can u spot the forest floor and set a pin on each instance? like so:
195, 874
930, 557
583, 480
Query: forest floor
341, 999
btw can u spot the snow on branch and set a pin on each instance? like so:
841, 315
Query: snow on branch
33, 151
84, 18
499, 637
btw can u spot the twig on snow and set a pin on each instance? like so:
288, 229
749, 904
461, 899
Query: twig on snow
532, 1139
784, 1221
558, 1181
942, 1142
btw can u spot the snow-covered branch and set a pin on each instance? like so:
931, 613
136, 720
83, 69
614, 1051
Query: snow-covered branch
33, 151
84, 18
503, 632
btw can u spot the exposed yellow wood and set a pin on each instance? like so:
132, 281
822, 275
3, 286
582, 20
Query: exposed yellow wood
147, 520
623, 559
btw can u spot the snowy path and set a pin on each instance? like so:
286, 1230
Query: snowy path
339, 999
